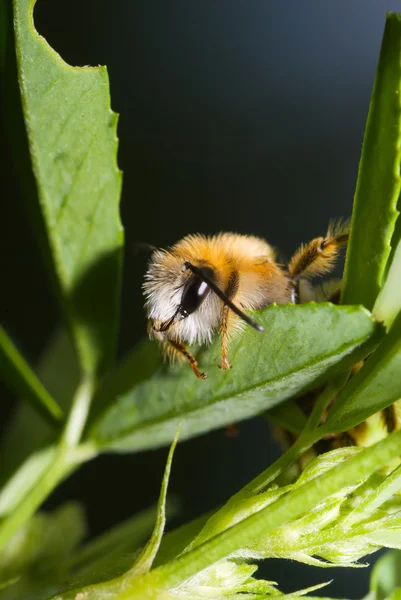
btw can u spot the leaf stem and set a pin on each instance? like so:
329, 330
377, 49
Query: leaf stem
67, 458
78, 413
330, 391
23, 381
58, 470
310, 435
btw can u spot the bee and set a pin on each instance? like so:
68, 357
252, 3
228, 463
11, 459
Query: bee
203, 285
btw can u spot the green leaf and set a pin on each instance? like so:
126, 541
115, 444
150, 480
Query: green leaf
384, 491
174, 542
144, 562
386, 575
6, 584
112, 552
209, 565
44, 542
15, 371
375, 386
24, 478
287, 508
340, 530
58, 369
269, 368
68, 456
40, 553
388, 303
50, 469
378, 186
72, 138
63, 462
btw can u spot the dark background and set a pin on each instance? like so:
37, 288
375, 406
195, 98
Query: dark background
243, 115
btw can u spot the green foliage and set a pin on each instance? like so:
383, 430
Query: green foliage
385, 582
73, 409
387, 305
36, 561
339, 529
73, 146
379, 183
19, 376
351, 520
374, 387
266, 370
58, 370
19, 484
44, 542
144, 562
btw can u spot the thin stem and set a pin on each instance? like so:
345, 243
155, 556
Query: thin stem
310, 435
23, 381
67, 458
78, 413
257, 485
57, 471
331, 390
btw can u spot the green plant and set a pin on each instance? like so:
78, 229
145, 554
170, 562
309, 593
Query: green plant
79, 404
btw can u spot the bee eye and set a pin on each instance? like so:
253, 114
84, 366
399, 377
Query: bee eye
195, 291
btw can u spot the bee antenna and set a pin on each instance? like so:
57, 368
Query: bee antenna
222, 296
138, 247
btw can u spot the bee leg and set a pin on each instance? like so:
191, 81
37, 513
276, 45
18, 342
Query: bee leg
319, 255
224, 338
180, 348
231, 429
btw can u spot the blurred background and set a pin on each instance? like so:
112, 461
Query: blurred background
236, 115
